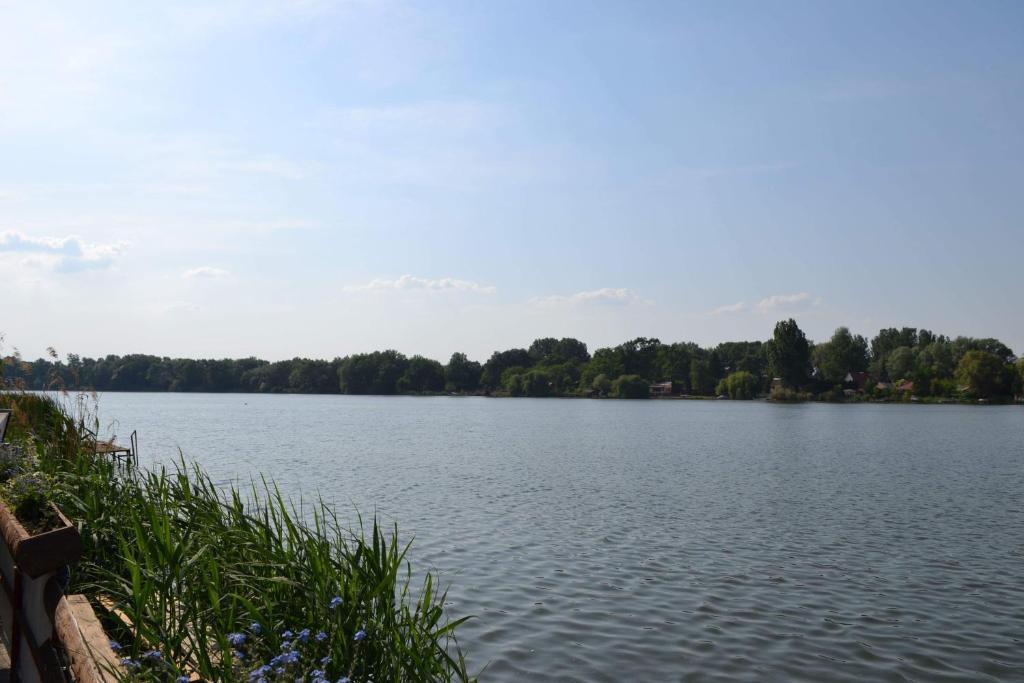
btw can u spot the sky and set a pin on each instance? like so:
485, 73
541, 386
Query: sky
315, 179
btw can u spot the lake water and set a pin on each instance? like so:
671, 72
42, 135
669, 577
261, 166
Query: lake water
665, 540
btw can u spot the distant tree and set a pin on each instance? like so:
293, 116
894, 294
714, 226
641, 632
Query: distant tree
551, 351
372, 373
891, 339
789, 353
747, 356
961, 345
535, 383
702, 376
739, 385
843, 353
421, 375
936, 359
499, 362
312, 377
602, 385
570, 350
639, 355
900, 363
672, 362
462, 374
606, 361
984, 374
631, 386
1018, 385
542, 349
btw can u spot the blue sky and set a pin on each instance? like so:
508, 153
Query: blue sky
318, 178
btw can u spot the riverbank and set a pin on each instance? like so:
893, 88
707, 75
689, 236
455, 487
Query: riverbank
223, 581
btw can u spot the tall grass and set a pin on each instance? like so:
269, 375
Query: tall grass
215, 578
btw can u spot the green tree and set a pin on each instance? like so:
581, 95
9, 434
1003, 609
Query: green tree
937, 359
631, 386
607, 362
1018, 385
789, 353
462, 374
372, 373
421, 375
702, 376
984, 374
739, 385
843, 353
673, 362
602, 385
900, 363
490, 376
639, 355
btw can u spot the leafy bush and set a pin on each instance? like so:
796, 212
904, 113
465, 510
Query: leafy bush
631, 386
739, 385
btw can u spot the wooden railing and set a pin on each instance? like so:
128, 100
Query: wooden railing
42, 627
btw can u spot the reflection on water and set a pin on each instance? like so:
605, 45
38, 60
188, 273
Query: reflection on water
654, 541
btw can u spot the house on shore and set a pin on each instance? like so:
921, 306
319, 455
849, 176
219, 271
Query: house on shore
857, 381
661, 389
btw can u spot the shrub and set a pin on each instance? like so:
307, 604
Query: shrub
631, 386
739, 385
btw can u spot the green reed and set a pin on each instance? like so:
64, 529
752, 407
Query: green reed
214, 578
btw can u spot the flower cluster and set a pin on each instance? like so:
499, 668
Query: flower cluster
151, 661
301, 658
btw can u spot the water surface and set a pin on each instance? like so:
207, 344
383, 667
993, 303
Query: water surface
664, 540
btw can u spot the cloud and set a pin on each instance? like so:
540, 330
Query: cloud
204, 272
787, 302
605, 295
62, 254
413, 283
738, 307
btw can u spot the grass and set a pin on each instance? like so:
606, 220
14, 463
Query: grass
213, 579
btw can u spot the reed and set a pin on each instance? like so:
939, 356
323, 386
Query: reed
241, 584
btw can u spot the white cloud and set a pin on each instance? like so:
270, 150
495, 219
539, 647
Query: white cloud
62, 254
204, 272
738, 307
787, 302
606, 295
412, 283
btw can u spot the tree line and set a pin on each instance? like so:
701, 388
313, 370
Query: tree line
895, 362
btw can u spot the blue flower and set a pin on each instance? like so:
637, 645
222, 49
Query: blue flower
152, 655
182, 679
260, 672
343, 679
287, 635
130, 664
325, 660
360, 635
115, 646
321, 636
238, 654
316, 673
335, 602
236, 639
279, 671
256, 628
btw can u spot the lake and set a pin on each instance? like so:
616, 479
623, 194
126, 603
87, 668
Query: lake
664, 540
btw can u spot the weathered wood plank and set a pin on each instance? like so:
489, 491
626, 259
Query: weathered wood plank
86, 643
